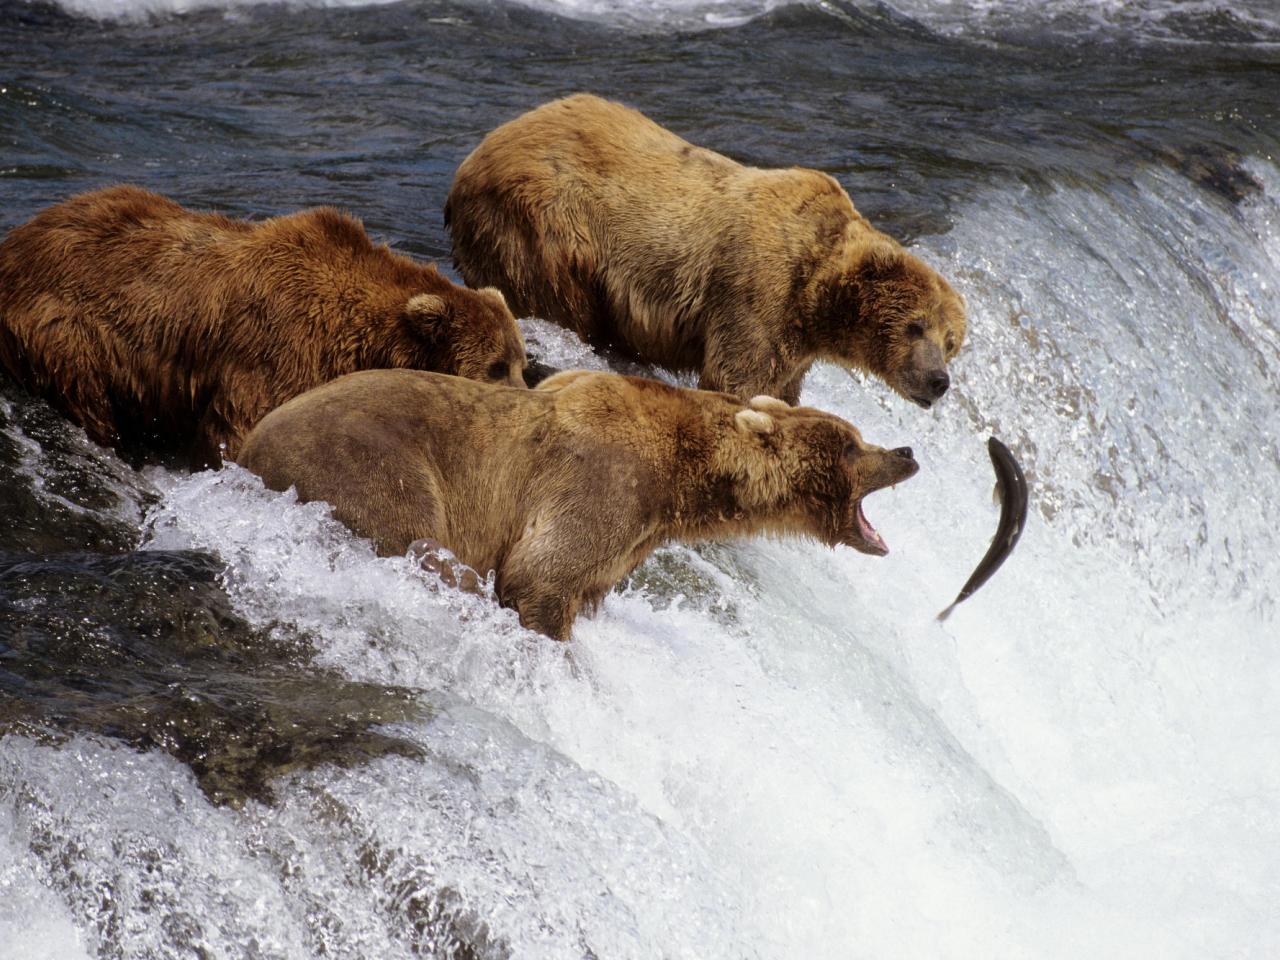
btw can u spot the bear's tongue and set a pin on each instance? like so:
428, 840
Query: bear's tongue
868, 532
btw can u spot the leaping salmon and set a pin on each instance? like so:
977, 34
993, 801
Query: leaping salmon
1011, 487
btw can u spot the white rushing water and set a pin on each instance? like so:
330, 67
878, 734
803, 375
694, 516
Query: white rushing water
1164, 20
772, 749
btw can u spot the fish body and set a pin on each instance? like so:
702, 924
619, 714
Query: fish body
1011, 489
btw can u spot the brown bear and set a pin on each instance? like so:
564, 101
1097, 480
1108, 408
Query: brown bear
588, 214
157, 327
563, 490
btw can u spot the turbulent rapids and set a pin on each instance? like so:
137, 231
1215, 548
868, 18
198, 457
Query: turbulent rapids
229, 729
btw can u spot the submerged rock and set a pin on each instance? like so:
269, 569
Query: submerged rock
1218, 169
58, 491
145, 648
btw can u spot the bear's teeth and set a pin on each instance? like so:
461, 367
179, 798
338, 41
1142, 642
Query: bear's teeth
869, 532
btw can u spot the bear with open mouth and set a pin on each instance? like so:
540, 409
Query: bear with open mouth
563, 490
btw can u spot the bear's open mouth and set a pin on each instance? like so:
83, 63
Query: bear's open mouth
872, 542
896, 466
922, 401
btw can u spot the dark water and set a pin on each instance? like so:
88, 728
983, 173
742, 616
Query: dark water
267, 109
261, 110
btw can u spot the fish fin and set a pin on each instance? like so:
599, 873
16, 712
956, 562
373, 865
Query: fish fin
946, 613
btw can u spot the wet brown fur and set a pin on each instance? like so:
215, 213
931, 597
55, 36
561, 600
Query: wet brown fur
155, 326
589, 214
565, 489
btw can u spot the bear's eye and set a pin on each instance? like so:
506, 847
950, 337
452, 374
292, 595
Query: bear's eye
497, 370
915, 330
851, 451
951, 345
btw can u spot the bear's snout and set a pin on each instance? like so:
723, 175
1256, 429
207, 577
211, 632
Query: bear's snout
937, 383
897, 465
924, 379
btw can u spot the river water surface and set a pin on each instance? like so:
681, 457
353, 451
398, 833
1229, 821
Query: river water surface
228, 730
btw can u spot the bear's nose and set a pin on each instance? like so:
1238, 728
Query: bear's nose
904, 453
938, 383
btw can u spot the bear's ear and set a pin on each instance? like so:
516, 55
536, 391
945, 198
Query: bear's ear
426, 313
880, 262
494, 293
753, 421
765, 402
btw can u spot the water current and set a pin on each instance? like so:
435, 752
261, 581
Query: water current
228, 730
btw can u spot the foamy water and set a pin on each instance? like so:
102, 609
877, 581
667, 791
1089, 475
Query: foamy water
133, 10
644, 15
1177, 21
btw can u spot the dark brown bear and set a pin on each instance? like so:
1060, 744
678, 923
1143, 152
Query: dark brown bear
565, 489
589, 214
153, 326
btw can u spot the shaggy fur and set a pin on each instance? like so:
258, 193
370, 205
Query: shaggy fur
563, 490
587, 213
153, 326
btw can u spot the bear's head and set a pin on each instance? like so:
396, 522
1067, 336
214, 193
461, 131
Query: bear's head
889, 313
824, 470
469, 333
